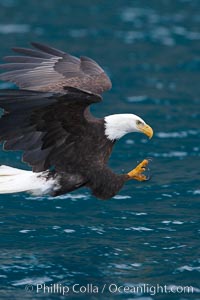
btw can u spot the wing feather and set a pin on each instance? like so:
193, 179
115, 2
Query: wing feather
48, 69
31, 52
48, 127
47, 49
24, 59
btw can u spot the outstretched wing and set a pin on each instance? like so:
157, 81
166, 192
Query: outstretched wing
48, 127
49, 69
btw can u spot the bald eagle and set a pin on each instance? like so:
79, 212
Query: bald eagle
48, 118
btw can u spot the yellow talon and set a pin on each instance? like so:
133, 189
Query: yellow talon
137, 172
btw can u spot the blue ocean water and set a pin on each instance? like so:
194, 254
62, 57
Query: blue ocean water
148, 235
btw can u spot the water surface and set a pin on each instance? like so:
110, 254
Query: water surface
149, 233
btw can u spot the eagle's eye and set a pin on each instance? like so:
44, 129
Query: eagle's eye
138, 122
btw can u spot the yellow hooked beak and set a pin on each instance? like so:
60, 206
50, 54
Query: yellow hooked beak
146, 129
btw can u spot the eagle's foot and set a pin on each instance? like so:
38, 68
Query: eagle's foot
137, 172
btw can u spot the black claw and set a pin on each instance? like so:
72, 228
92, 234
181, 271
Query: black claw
148, 178
150, 159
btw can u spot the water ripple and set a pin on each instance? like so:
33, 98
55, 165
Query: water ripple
14, 28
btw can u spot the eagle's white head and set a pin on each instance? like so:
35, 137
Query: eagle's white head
116, 126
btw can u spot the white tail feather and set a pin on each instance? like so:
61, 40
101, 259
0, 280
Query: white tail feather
14, 180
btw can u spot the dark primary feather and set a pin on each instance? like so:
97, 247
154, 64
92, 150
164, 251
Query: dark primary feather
31, 52
48, 69
47, 49
48, 127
